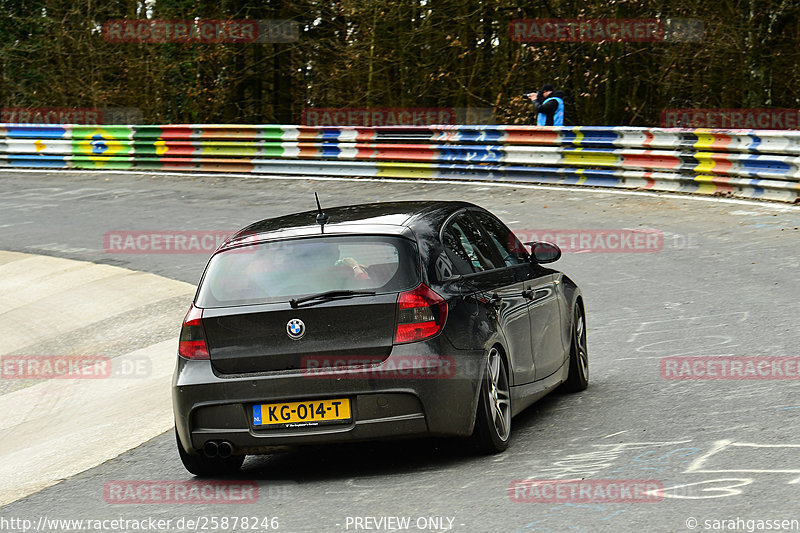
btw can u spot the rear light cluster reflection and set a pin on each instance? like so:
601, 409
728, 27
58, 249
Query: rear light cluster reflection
421, 313
193, 339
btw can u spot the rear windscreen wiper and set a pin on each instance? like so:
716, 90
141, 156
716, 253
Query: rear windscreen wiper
294, 302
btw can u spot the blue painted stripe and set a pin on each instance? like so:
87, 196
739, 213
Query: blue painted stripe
755, 142
568, 136
482, 134
566, 175
35, 132
469, 136
331, 134
489, 154
601, 137
330, 150
42, 161
759, 164
757, 189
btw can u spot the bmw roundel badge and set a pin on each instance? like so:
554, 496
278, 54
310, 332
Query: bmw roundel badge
295, 328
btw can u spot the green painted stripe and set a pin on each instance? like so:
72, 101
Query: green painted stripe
147, 132
104, 132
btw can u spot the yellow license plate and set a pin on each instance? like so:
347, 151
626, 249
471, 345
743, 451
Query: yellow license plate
302, 414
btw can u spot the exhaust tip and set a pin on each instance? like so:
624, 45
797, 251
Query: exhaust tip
225, 449
210, 449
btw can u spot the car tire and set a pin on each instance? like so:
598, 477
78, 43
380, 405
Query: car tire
203, 466
578, 378
492, 430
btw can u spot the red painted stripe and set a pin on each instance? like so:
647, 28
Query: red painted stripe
365, 151
309, 150
178, 164
405, 152
176, 132
721, 163
650, 160
529, 135
306, 133
721, 183
363, 134
650, 181
721, 141
179, 148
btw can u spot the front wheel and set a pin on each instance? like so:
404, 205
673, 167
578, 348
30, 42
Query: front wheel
578, 378
203, 466
493, 418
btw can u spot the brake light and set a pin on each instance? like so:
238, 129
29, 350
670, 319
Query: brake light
192, 344
421, 313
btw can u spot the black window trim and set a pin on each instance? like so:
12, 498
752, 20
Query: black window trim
494, 253
485, 232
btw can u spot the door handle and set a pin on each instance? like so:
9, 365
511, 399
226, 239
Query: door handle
528, 293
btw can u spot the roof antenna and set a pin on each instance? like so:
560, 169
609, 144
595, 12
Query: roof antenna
322, 218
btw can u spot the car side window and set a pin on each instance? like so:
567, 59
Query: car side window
509, 247
465, 244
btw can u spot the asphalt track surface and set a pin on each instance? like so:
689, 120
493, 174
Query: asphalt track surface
725, 452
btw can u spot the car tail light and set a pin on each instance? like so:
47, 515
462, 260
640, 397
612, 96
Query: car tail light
193, 339
421, 313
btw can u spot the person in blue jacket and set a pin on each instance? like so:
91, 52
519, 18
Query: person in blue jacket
548, 106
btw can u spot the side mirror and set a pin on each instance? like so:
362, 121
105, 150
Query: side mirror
544, 252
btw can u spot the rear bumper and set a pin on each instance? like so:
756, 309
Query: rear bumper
388, 400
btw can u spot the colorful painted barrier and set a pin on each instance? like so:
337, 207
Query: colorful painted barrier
738, 163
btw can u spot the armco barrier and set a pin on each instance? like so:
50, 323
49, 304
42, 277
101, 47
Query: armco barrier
739, 163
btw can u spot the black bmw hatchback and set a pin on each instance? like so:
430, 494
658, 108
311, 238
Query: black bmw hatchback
370, 322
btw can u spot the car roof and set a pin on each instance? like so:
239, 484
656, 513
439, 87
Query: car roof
391, 218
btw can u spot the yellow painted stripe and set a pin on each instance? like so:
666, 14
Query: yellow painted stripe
705, 162
243, 149
591, 158
161, 147
704, 178
704, 184
705, 140
404, 170
112, 147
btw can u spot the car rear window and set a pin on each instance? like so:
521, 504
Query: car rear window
281, 270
